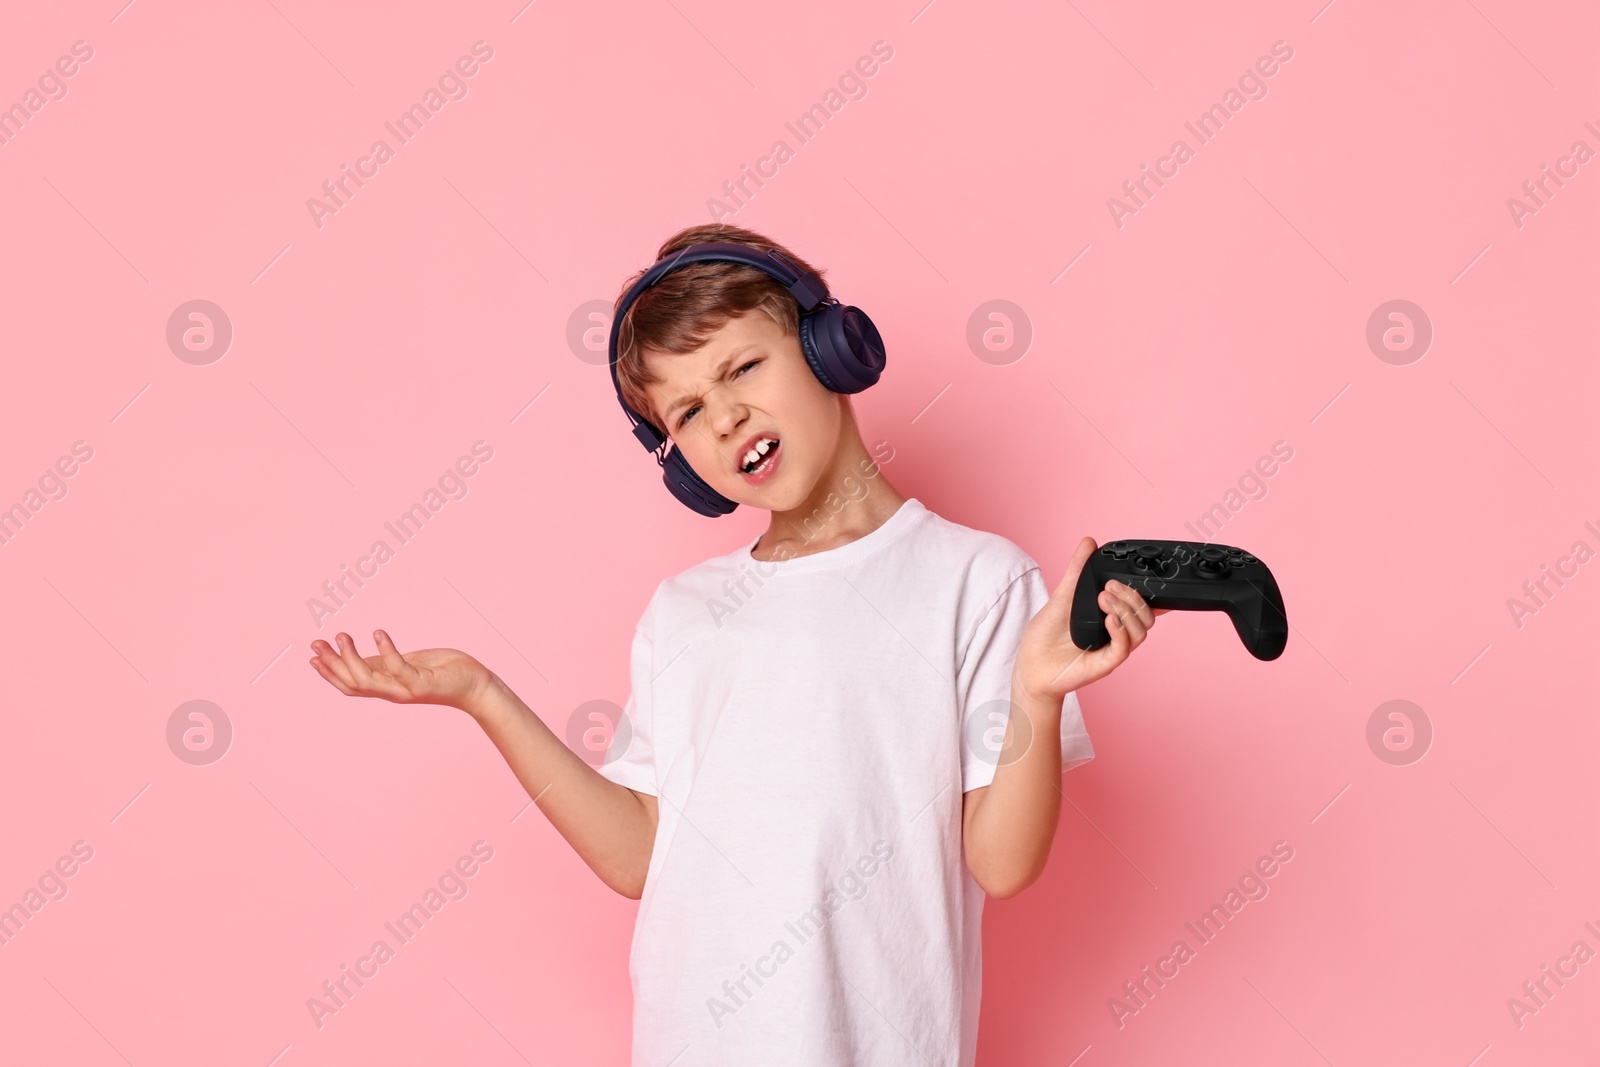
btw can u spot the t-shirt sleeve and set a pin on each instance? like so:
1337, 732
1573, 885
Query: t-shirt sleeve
983, 685
630, 761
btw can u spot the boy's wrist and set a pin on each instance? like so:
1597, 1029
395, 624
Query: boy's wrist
489, 701
1022, 693
1041, 712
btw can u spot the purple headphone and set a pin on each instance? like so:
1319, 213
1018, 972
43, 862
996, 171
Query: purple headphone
840, 343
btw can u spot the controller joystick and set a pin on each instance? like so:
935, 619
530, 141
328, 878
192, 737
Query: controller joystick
1213, 562
1185, 576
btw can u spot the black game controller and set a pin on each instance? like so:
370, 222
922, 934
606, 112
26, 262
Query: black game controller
1185, 576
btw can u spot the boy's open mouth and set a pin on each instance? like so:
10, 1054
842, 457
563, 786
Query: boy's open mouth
759, 457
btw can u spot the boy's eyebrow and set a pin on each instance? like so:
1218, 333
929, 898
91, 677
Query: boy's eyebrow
721, 369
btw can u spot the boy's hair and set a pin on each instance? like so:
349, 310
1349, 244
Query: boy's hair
680, 312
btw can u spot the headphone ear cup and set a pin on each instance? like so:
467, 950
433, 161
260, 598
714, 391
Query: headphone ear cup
842, 347
690, 489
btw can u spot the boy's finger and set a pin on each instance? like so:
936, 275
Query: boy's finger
1126, 616
393, 661
332, 662
1108, 656
360, 674
1135, 602
1116, 625
333, 679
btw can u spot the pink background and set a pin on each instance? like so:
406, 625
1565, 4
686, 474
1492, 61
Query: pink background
368, 354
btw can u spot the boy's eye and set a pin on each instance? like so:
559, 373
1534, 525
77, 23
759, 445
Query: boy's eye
689, 413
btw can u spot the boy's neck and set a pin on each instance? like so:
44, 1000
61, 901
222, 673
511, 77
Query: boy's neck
850, 500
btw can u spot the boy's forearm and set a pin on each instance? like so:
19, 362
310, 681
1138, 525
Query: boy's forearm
604, 822
1008, 838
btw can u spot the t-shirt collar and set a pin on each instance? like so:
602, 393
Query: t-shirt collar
909, 511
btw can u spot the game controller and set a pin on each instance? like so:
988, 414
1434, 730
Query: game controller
1184, 576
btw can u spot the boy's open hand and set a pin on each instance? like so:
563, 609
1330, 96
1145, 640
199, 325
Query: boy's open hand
1049, 665
427, 676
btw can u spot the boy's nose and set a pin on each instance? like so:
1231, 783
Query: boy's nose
726, 412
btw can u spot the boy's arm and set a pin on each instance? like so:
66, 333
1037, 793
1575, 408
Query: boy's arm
611, 826
1007, 826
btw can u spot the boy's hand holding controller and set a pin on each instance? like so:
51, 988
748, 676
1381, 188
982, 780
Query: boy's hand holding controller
612, 827
1049, 665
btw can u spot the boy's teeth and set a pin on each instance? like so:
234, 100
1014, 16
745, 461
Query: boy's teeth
762, 447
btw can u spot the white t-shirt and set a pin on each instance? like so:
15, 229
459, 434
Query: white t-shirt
805, 724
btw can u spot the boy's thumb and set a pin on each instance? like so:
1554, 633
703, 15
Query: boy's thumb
1075, 564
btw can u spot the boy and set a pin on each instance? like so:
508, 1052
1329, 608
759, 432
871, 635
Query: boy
809, 794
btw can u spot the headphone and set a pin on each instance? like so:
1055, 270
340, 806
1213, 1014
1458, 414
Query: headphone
841, 346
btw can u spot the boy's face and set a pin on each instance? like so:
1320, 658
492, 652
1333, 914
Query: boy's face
748, 383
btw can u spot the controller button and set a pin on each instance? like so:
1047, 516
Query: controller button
1236, 561
1212, 554
1120, 551
1248, 558
1149, 551
1212, 568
